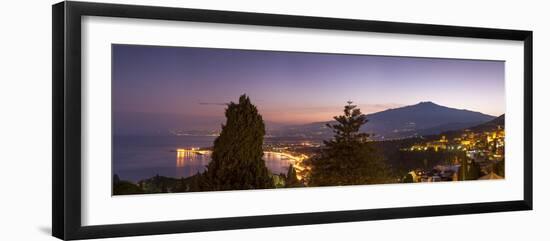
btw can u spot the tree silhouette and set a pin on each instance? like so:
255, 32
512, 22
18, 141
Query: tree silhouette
292, 178
348, 158
237, 153
469, 170
121, 187
347, 130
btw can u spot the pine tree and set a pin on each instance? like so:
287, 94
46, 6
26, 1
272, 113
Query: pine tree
348, 158
237, 154
347, 129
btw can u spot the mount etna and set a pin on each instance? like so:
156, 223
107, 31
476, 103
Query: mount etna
424, 118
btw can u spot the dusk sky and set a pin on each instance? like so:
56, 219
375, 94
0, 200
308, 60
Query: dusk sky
294, 88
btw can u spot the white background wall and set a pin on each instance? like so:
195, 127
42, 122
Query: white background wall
25, 122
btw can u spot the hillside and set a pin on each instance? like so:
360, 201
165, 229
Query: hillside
424, 118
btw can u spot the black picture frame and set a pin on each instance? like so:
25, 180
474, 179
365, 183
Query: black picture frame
66, 75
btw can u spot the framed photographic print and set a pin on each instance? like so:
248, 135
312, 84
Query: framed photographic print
170, 120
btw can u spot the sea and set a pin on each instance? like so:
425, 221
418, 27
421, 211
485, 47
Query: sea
139, 157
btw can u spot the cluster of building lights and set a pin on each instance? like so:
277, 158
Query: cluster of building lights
466, 142
485, 148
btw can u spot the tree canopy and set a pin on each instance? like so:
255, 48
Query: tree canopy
292, 178
348, 158
237, 153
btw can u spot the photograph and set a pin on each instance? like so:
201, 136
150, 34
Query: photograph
194, 119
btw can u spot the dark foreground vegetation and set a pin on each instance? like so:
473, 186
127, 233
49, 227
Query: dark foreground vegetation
350, 157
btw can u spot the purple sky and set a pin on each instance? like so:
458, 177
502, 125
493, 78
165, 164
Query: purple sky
293, 88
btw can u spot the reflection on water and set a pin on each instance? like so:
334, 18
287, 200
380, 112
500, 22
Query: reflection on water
139, 157
190, 161
278, 162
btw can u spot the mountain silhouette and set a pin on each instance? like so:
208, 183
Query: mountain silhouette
491, 125
424, 118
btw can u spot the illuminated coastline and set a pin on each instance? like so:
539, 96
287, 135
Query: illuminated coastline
184, 155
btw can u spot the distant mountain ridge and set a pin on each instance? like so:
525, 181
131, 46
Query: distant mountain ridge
424, 118
487, 126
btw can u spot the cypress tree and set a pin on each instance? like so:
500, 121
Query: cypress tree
237, 153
